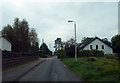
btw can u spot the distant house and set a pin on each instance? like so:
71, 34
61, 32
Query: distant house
98, 44
5, 44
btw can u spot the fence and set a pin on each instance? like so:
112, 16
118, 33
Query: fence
8, 62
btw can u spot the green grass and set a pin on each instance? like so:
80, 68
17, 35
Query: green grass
102, 69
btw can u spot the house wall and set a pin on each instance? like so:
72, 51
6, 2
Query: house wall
5, 44
107, 49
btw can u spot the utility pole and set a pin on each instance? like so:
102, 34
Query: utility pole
75, 40
75, 43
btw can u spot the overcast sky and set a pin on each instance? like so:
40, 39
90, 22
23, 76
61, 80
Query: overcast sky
50, 19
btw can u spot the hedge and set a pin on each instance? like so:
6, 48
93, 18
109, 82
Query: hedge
88, 53
10, 54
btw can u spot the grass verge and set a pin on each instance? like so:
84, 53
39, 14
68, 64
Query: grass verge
102, 69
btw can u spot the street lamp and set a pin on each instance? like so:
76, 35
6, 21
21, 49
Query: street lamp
75, 40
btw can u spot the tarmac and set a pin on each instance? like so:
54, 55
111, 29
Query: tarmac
52, 70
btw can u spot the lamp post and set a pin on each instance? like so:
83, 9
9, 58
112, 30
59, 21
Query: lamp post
75, 40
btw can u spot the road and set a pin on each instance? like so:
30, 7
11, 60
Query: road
51, 70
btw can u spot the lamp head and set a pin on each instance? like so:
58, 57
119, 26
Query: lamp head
70, 21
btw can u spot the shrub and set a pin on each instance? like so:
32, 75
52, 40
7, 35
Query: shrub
109, 63
110, 56
91, 59
96, 52
90, 53
7, 54
61, 53
10, 54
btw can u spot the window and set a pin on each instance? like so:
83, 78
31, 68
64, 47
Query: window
102, 46
96, 46
90, 46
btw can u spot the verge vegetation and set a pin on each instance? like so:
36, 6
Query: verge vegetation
94, 69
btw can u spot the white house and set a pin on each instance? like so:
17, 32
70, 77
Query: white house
5, 44
98, 44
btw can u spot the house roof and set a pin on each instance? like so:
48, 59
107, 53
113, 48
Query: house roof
85, 44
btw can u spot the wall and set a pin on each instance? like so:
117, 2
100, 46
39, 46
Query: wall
5, 44
107, 49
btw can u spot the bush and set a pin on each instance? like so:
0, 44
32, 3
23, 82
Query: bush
110, 56
109, 63
91, 59
10, 54
61, 53
7, 54
90, 53
96, 52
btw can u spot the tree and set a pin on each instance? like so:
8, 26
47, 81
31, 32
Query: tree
24, 32
17, 39
86, 39
70, 48
44, 50
33, 37
116, 43
36, 47
61, 53
58, 44
8, 31
23, 39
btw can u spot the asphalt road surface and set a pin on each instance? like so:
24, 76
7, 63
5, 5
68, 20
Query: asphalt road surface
51, 70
